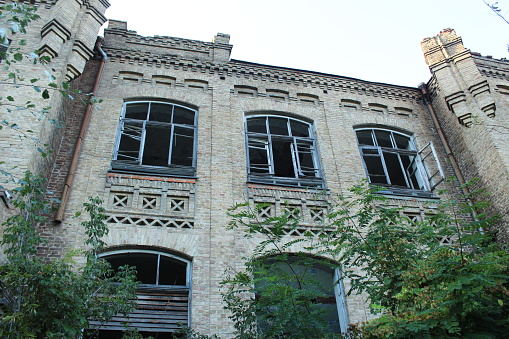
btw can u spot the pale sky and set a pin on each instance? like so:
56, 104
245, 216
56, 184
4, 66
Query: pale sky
374, 40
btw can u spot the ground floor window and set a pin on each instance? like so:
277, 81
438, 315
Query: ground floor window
163, 295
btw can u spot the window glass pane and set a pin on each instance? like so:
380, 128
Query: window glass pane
375, 170
257, 125
282, 156
394, 169
364, 137
402, 141
157, 145
172, 271
130, 139
136, 111
383, 138
278, 126
160, 112
145, 263
299, 129
183, 116
182, 146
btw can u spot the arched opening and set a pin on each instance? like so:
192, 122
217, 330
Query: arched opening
162, 295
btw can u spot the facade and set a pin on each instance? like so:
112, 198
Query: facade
184, 132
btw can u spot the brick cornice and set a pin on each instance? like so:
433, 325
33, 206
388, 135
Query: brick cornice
236, 68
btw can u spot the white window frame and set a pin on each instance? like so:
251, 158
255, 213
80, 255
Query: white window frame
417, 169
266, 173
136, 163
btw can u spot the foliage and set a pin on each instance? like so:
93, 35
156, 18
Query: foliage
420, 287
51, 298
17, 62
274, 296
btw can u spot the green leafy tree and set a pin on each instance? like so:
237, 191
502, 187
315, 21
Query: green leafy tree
419, 286
53, 298
274, 296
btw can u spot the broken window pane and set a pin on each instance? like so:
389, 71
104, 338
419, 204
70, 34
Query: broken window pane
286, 155
163, 137
390, 159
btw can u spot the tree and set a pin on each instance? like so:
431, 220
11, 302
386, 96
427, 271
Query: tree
53, 298
419, 286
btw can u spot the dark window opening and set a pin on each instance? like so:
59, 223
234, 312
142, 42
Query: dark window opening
282, 151
163, 296
156, 138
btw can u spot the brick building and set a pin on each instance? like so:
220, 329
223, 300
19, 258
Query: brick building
184, 132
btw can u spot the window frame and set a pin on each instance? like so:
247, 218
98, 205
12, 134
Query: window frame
136, 165
299, 145
104, 255
414, 173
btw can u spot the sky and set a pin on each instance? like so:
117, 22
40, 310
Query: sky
373, 40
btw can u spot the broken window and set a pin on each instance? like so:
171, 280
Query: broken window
391, 160
156, 137
162, 295
282, 150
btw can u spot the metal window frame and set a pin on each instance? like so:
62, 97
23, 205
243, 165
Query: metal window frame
159, 254
171, 125
299, 179
421, 169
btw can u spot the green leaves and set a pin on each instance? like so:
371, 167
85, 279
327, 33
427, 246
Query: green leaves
54, 299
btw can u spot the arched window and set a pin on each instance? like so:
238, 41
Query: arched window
391, 160
282, 150
163, 293
156, 137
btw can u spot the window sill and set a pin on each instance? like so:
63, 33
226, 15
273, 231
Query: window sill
170, 171
308, 183
406, 193
149, 177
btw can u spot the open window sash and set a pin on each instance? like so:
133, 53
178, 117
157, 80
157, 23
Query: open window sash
430, 168
259, 156
303, 158
130, 143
